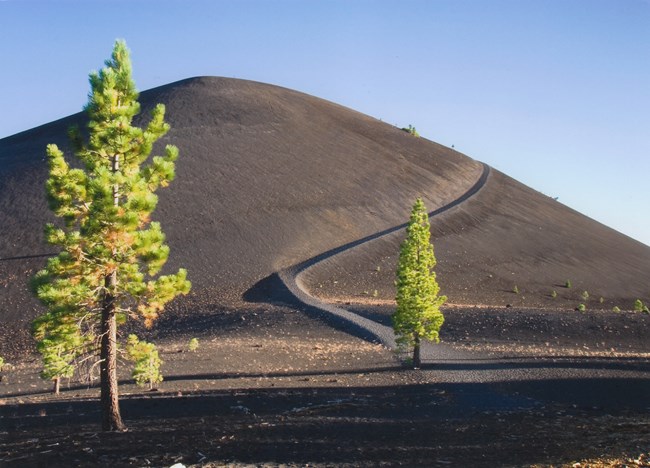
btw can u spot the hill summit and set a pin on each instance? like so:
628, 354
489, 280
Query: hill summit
269, 177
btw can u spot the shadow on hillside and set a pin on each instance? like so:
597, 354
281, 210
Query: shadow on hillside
433, 401
474, 365
381, 318
220, 319
413, 425
273, 290
269, 289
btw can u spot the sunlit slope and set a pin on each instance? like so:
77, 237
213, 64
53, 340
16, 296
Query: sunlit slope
505, 236
267, 177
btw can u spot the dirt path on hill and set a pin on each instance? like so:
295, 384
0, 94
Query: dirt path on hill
558, 378
360, 326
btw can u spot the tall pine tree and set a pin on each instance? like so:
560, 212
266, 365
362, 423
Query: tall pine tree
418, 316
111, 251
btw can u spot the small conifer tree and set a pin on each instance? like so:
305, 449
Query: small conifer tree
418, 316
146, 367
411, 130
61, 342
111, 252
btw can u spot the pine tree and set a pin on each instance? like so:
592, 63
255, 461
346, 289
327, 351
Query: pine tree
62, 342
111, 252
418, 316
146, 367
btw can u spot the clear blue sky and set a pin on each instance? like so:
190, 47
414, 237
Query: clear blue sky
555, 93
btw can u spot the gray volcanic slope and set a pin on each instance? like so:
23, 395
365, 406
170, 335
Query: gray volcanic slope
267, 177
506, 235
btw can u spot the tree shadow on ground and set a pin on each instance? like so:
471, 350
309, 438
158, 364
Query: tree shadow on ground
473, 365
473, 424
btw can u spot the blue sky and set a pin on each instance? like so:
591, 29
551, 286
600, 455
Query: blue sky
555, 93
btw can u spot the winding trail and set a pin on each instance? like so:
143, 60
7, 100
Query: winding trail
354, 323
501, 382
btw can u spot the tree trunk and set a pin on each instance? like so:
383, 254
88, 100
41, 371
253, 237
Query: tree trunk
57, 385
416, 353
111, 419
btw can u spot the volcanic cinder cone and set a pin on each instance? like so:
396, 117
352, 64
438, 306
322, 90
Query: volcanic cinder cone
268, 177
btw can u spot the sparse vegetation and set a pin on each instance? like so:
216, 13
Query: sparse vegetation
418, 316
581, 308
515, 289
638, 305
193, 345
585, 295
146, 367
567, 284
411, 130
2, 363
554, 294
601, 300
616, 309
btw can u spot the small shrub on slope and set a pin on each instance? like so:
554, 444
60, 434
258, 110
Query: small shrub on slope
146, 368
411, 130
193, 345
